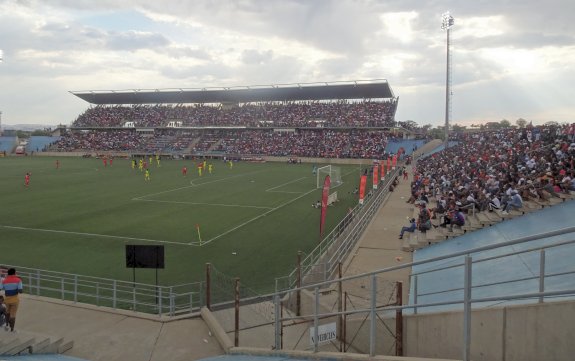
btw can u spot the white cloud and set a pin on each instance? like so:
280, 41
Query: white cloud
480, 27
400, 25
508, 57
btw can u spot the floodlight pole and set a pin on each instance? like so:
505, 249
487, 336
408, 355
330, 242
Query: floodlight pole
446, 24
1, 60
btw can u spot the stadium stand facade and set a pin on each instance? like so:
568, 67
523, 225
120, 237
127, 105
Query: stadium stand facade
329, 120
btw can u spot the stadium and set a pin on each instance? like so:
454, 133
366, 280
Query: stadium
206, 212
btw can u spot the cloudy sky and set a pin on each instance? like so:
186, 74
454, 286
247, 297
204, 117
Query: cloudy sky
511, 59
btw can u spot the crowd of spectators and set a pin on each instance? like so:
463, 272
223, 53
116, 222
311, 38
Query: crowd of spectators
265, 114
323, 143
121, 140
499, 169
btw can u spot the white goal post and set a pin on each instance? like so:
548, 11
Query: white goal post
334, 175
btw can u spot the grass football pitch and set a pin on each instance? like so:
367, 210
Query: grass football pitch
252, 218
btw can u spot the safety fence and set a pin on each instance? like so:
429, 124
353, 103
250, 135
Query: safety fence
373, 324
322, 262
123, 295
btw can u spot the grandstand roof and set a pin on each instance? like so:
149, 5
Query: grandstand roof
373, 89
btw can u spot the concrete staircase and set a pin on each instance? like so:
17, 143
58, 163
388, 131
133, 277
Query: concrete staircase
25, 343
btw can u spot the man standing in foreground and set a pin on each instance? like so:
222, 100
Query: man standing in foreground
12, 286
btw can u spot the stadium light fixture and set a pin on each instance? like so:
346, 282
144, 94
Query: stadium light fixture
447, 23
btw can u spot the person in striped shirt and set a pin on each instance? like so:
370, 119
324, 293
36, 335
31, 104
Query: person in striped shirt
12, 286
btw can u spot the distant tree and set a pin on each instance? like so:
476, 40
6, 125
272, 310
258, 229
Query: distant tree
22, 134
426, 127
492, 125
437, 133
505, 123
44, 132
458, 128
410, 124
521, 123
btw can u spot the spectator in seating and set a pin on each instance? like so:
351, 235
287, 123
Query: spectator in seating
411, 228
516, 202
424, 218
494, 203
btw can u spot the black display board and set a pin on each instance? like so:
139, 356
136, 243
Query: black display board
138, 256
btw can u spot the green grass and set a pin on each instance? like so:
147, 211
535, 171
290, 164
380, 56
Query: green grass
78, 218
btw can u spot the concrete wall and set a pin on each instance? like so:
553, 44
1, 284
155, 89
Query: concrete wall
514, 333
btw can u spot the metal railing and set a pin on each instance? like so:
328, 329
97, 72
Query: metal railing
124, 295
465, 297
322, 262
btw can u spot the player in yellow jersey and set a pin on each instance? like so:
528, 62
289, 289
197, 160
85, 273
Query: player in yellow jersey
210, 168
147, 175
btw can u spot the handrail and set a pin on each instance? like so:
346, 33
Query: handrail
358, 218
464, 298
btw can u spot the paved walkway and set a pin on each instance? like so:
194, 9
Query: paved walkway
99, 335
380, 246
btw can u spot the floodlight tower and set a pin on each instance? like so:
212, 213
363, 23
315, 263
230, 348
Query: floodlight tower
1, 60
446, 24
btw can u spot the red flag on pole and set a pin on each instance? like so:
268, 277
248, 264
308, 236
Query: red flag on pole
375, 176
394, 161
382, 169
388, 164
362, 182
324, 196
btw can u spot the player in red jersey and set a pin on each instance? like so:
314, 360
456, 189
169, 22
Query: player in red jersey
184, 171
27, 179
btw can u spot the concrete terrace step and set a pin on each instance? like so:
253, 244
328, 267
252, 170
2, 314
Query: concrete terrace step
24, 343
509, 215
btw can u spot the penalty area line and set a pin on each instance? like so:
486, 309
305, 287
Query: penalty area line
193, 185
256, 218
92, 235
285, 184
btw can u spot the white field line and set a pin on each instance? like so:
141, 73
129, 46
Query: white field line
281, 185
202, 204
194, 243
253, 219
195, 185
92, 235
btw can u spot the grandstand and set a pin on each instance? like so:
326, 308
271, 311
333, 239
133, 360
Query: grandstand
327, 120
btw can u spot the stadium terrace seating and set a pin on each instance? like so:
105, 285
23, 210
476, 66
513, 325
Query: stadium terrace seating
336, 129
324, 143
408, 145
300, 114
536, 163
119, 140
39, 143
7, 144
